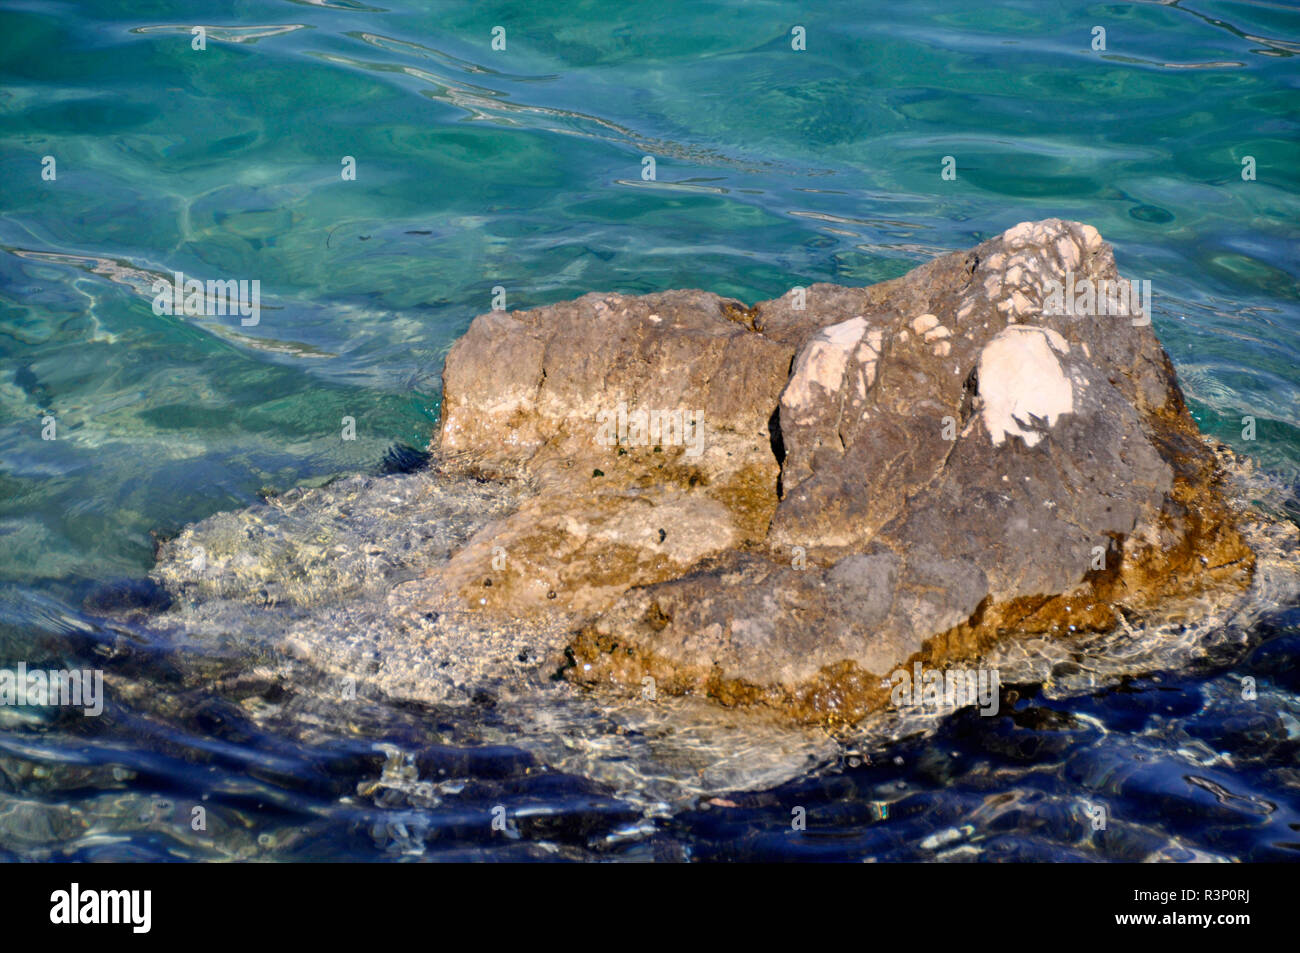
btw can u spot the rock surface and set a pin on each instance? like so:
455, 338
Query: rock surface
783, 504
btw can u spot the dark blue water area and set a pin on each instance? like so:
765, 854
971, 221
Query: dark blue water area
1186, 766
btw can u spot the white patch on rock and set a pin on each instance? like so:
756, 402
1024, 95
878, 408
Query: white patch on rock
1020, 378
845, 334
822, 362
868, 354
924, 322
869, 347
1054, 338
1020, 235
1069, 252
1033, 233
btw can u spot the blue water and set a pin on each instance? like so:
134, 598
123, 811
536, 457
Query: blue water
522, 168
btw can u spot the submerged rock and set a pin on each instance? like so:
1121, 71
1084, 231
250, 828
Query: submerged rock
781, 505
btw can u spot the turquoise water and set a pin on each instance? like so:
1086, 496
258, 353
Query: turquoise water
522, 168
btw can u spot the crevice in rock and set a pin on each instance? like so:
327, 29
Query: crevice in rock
970, 389
777, 443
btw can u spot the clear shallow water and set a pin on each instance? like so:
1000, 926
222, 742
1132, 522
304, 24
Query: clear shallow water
522, 169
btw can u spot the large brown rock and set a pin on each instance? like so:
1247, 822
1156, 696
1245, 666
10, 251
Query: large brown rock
552, 397
866, 477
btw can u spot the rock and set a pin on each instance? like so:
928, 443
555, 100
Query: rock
642, 424
781, 506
